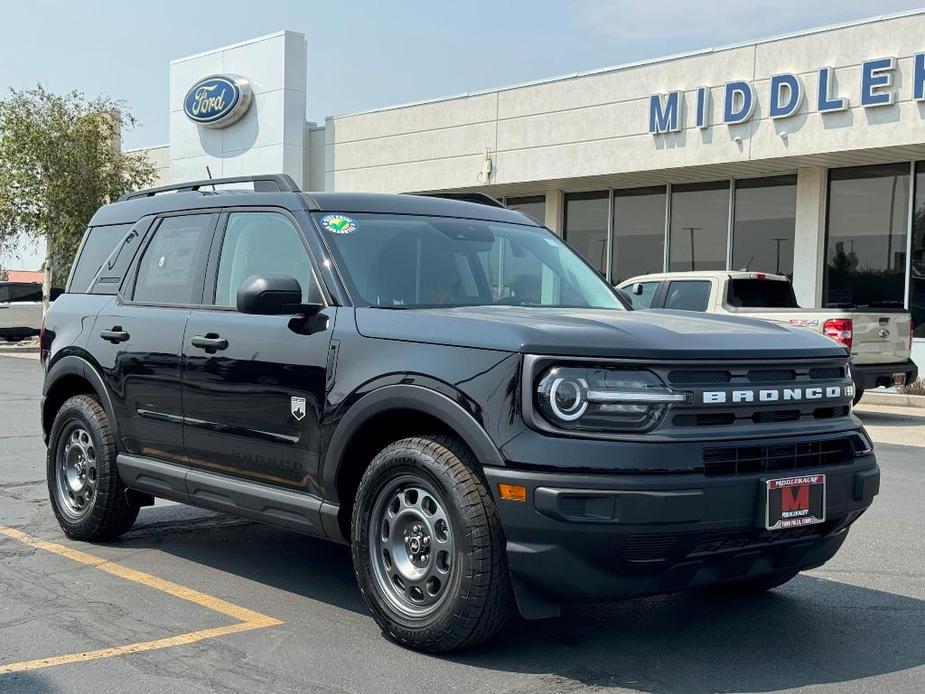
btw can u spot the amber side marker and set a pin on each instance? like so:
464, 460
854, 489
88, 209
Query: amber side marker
512, 492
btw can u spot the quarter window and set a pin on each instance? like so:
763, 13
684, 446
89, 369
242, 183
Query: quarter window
261, 243
688, 295
170, 270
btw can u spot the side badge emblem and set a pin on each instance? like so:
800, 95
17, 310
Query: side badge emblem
297, 406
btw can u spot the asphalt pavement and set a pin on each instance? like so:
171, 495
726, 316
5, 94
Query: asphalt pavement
272, 611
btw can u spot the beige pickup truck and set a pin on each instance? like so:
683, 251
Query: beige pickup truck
880, 340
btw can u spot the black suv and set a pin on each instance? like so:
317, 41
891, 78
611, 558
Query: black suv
450, 389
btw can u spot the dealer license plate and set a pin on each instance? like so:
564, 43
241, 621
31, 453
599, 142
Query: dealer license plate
793, 502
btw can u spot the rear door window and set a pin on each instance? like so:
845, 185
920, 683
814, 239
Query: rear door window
20, 293
688, 295
172, 267
100, 242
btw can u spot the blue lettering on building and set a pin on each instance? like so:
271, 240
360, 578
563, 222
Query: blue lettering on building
665, 114
739, 102
876, 80
786, 96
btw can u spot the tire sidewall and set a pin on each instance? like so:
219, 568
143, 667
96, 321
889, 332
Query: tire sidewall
79, 410
391, 464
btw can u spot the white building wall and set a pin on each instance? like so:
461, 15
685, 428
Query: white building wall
270, 137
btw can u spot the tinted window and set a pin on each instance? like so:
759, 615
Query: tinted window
25, 292
261, 243
586, 226
760, 294
643, 300
765, 218
638, 232
4, 293
699, 225
688, 295
917, 278
100, 242
407, 261
170, 270
868, 212
533, 206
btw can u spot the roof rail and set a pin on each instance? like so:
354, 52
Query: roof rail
265, 183
478, 198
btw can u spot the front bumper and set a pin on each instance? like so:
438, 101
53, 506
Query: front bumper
583, 537
873, 375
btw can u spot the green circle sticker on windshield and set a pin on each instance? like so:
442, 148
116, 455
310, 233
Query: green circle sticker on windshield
338, 224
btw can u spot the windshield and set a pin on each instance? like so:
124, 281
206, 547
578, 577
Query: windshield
404, 261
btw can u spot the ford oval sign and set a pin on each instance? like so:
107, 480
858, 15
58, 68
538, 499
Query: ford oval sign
217, 101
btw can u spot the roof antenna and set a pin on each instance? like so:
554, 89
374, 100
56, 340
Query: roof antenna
209, 172
744, 269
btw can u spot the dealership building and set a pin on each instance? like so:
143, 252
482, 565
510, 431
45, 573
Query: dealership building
801, 154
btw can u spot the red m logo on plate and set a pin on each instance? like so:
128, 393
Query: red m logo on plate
794, 498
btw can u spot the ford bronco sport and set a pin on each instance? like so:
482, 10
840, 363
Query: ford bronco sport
447, 387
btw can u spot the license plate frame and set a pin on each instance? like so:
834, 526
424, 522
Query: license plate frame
794, 502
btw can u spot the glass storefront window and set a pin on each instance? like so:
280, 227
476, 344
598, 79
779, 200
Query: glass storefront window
763, 227
638, 232
917, 278
586, 226
865, 253
699, 226
533, 206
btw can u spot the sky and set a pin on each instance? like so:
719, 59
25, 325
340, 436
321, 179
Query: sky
364, 54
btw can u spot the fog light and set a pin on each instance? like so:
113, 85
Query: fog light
512, 492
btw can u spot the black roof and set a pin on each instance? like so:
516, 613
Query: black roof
196, 195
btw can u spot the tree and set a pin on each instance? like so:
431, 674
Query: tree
60, 159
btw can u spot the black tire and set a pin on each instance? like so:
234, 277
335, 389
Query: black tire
858, 394
476, 597
105, 511
760, 585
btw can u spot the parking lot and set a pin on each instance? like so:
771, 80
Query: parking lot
194, 601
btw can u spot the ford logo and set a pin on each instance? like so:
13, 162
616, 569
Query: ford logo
217, 101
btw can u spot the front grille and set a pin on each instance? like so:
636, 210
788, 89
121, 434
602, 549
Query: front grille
743, 460
699, 377
727, 540
649, 547
827, 373
771, 375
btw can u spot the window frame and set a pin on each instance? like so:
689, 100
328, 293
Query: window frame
210, 278
126, 292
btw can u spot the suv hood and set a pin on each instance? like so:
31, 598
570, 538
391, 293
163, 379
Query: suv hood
653, 334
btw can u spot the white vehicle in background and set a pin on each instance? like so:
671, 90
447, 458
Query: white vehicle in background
879, 340
21, 309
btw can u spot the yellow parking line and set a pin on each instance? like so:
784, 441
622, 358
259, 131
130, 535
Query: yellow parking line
248, 619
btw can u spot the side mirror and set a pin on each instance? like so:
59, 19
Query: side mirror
637, 288
273, 295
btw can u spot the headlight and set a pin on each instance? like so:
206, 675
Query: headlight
603, 399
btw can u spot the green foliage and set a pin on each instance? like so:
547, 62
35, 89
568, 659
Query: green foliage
60, 159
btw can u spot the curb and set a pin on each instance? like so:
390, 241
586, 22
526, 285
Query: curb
893, 400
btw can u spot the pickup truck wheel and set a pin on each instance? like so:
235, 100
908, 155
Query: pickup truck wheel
86, 494
428, 548
858, 394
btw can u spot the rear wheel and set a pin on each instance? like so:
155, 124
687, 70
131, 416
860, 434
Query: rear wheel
428, 549
858, 394
86, 494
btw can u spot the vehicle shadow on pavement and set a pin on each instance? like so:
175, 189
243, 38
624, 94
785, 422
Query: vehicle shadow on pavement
892, 419
808, 632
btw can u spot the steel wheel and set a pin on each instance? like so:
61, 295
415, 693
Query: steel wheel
76, 471
412, 546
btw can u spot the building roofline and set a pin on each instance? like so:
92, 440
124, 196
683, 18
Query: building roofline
640, 63
229, 47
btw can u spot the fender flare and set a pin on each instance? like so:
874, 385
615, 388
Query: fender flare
73, 365
404, 397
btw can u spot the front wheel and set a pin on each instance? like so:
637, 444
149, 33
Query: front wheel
428, 549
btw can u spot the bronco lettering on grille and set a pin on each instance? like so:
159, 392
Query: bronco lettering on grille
711, 397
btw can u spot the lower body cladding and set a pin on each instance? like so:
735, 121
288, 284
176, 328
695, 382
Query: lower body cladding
600, 537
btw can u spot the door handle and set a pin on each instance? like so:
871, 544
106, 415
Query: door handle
210, 342
116, 335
